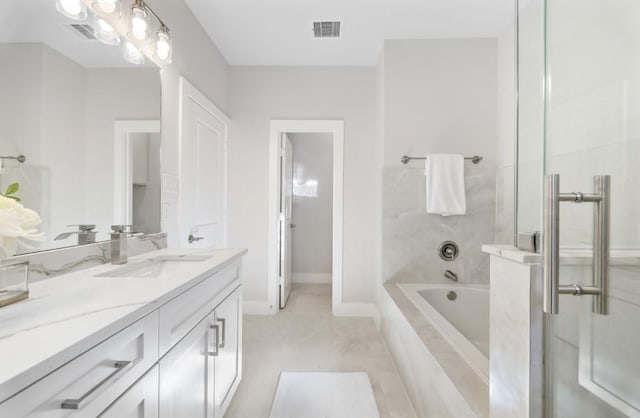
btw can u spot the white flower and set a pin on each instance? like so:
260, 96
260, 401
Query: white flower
17, 223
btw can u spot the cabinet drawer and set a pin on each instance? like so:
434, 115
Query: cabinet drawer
184, 312
91, 382
140, 401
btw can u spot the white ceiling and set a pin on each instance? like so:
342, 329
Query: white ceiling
279, 32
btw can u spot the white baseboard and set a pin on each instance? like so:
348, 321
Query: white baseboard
353, 309
377, 316
257, 307
315, 278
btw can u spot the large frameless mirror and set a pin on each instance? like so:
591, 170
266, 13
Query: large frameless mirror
79, 125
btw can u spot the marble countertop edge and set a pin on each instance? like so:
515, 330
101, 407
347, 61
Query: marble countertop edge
106, 321
568, 256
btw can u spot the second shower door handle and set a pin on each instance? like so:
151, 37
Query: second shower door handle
601, 236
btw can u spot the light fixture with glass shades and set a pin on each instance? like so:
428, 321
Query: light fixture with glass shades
108, 7
139, 23
132, 54
163, 45
127, 22
73, 9
105, 33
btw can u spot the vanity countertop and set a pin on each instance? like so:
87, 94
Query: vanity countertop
67, 315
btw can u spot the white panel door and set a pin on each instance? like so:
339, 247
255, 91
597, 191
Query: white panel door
286, 208
203, 171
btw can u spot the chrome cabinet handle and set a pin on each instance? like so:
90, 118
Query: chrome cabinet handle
601, 242
192, 238
224, 330
216, 330
120, 366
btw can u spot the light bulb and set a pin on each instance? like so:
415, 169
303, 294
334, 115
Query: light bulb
73, 9
163, 45
106, 34
138, 22
108, 6
104, 26
133, 54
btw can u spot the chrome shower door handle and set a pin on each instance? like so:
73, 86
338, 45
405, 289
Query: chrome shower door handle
551, 243
601, 197
601, 244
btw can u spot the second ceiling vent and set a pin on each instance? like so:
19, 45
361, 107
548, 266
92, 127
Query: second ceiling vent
326, 29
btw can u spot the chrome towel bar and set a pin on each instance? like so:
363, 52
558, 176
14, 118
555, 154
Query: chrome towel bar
405, 159
18, 158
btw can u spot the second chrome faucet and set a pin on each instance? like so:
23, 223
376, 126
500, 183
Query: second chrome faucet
119, 243
451, 275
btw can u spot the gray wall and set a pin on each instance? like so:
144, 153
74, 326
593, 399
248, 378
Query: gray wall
260, 94
439, 96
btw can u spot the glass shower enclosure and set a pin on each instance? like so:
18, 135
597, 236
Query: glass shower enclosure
579, 118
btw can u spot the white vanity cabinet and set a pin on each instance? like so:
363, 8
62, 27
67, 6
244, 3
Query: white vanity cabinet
207, 361
181, 359
187, 375
228, 362
139, 401
91, 382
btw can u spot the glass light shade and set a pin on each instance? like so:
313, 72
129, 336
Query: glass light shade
105, 33
132, 54
163, 46
139, 23
73, 9
109, 7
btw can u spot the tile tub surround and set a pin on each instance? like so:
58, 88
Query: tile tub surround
439, 382
411, 237
69, 314
48, 264
516, 348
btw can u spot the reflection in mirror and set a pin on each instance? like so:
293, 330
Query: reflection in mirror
62, 94
137, 175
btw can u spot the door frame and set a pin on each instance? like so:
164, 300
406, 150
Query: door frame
277, 128
123, 166
283, 228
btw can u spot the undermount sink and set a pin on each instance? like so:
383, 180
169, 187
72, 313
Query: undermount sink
152, 267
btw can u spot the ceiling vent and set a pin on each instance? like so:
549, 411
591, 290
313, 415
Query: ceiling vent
83, 31
326, 29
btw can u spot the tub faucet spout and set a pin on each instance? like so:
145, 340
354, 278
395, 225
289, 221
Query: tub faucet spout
451, 275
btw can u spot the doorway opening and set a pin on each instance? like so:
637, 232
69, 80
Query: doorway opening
305, 207
137, 175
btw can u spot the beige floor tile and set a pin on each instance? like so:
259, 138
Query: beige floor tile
306, 337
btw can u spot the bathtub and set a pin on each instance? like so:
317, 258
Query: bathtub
439, 346
463, 322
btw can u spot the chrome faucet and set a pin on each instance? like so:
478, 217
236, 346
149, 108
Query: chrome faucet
451, 275
119, 244
86, 234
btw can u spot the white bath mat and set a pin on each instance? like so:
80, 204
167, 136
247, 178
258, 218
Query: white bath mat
324, 395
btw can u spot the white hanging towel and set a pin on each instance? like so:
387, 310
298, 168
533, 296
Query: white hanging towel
445, 184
